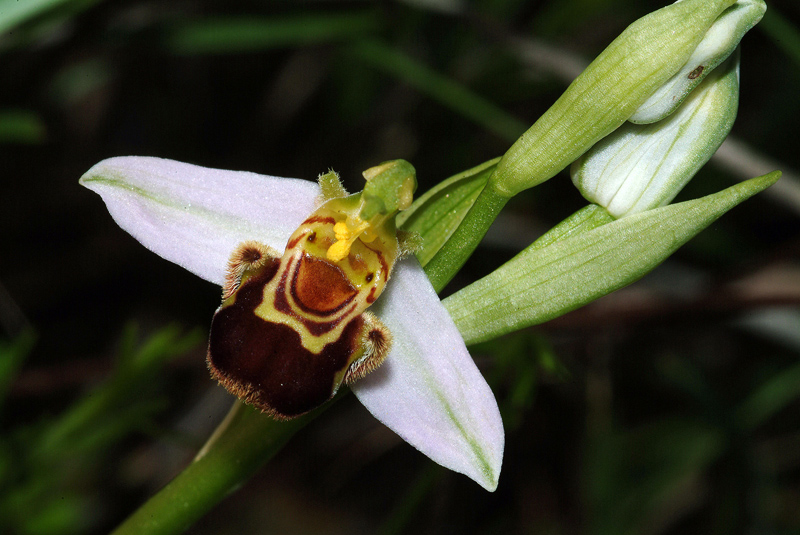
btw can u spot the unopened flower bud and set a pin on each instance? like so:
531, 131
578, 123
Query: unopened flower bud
719, 42
640, 167
638, 62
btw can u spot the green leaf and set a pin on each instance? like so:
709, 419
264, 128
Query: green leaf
540, 284
438, 213
584, 220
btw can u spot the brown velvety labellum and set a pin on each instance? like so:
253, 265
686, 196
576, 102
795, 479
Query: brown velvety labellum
265, 363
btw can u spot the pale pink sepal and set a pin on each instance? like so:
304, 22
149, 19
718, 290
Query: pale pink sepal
195, 216
429, 390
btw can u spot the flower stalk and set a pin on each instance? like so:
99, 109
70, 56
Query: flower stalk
243, 443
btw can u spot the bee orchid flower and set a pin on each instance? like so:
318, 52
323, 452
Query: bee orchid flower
427, 390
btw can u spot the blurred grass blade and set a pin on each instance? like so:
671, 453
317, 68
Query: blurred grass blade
409, 504
20, 126
783, 33
769, 398
440, 88
15, 12
233, 35
437, 214
540, 284
104, 413
12, 355
635, 477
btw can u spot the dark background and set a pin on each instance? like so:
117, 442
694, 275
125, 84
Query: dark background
629, 416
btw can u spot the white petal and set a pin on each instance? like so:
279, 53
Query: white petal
429, 390
195, 216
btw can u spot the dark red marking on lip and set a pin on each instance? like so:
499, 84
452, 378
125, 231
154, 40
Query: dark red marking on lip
320, 287
295, 241
357, 263
250, 298
265, 364
281, 304
319, 219
384, 265
371, 297
312, 236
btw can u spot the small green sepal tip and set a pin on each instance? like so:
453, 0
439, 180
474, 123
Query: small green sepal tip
390, 188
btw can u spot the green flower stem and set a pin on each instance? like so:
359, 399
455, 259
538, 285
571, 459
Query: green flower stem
243, 442
452, 256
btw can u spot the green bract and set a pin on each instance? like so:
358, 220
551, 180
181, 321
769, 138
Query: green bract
607, 93
542, 283
439, 211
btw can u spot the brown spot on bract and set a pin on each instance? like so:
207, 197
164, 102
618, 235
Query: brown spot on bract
321, 287
696, 72
369, 277
312, 237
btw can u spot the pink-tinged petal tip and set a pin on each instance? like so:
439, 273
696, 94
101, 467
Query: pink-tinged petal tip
195, 216
429, 390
